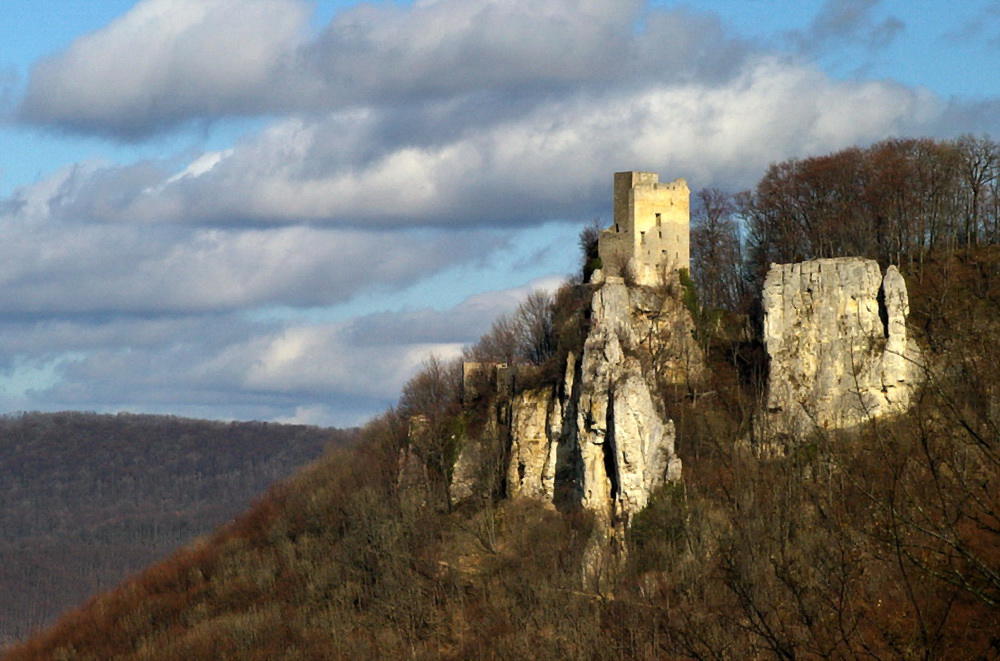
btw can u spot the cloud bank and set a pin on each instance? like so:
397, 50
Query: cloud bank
400, 143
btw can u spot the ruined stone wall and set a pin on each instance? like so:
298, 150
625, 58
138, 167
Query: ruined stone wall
835, 332
662, 219
650, 233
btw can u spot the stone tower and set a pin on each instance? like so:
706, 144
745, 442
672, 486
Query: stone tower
650, 234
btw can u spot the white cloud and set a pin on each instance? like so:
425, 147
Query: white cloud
553, 161
199, 166
52, 265
317, 373
404, 139
319, 415
162, 61
169, 61
452, 46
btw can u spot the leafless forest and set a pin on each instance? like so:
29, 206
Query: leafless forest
881, 543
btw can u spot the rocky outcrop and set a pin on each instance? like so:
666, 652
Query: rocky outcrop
600, 439
536, 432
626, 442
835, 332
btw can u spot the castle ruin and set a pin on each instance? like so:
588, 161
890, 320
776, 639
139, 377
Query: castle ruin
649, 237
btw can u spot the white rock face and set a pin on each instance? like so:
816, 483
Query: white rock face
600, 438
543, 442
838, 357
626, 443
536, 426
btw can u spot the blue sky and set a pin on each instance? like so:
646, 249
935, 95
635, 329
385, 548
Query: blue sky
276, 209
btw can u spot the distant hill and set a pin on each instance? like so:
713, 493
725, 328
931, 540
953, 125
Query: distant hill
87, 499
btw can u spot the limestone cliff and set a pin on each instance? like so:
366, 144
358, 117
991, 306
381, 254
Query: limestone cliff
626, 443
599, 439
536, 433
835, 332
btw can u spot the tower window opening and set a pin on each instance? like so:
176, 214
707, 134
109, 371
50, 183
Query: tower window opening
658, 220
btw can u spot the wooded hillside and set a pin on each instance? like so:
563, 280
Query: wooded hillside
878, 542
89, 499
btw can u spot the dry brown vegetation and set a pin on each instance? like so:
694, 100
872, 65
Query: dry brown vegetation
881, 543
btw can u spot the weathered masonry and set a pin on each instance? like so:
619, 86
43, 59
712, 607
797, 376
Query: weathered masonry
650, 236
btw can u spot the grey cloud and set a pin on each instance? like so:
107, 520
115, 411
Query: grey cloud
226, 365
466, 162
122, 363
985, 25
968, 117
163, 62
138, 277
102, 192
991, 16
51, 265
460, 325
208, 366
683, 46
550, 162
139, 76
885, 33
35, 342
848, 21
9, 81
452, 46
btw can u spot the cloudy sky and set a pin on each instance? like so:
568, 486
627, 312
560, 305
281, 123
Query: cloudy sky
276, 209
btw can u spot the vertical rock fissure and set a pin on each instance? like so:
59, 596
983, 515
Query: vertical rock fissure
568, 477
599, 438
611, 449
883, 310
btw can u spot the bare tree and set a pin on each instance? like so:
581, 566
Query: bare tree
716, 250
525, 336
432, 402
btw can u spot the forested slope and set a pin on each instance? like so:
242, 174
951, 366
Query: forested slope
884, 543
878, 542
87, 499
